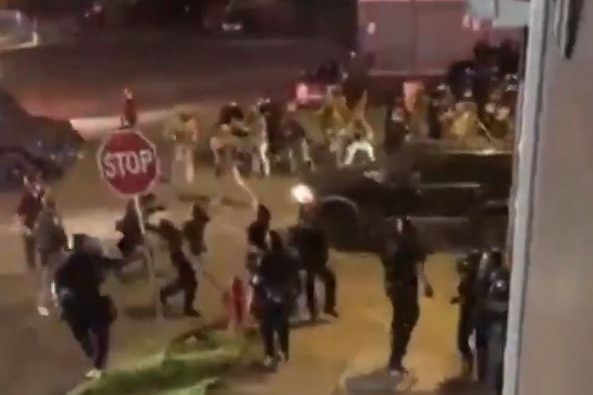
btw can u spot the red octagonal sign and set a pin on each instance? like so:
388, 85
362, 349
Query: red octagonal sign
128, 162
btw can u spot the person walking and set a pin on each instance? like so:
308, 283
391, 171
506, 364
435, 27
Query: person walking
403, 261
30, 205
467, 269
311, 244
193, 232
276, 284
185, 281
87, 312
51, 240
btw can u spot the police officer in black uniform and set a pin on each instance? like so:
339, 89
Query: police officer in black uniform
489, 264
311, 244
87, 312
497, 305
467, 268
403, 260
257, 237
186, 280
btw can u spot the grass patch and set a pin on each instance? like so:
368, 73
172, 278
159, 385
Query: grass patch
185, 368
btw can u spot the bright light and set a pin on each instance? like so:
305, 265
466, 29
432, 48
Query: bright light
302, 194
302, 91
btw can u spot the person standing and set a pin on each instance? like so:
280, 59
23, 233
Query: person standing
88, 313
403, 260
258, 129
257, 237
182, 135
129, 117
30, 205
311, 244
51, 240
362, 138
466, 268
396, 127
275, 285
489, 264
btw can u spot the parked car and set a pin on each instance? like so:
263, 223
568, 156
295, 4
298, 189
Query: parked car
29, 143
312, 87
456, 197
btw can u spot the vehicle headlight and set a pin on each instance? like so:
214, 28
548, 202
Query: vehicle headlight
302, 194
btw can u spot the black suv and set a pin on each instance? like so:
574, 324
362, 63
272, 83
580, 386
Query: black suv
33, 144
457, 198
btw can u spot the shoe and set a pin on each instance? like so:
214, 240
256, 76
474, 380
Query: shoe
94, 374
398, 373
192, 313
332, 312
269, 362
283, 357
43, 311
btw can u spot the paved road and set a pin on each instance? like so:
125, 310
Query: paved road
37, 357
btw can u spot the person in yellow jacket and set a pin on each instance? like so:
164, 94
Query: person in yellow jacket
182, 134
465, 125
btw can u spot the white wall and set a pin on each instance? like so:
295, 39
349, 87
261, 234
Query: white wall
556, 354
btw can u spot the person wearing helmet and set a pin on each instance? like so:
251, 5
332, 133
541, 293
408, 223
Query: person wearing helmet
403, 262
193, 231
87, 312
185, 282
466, 268
497, 306
311, 244
489, 263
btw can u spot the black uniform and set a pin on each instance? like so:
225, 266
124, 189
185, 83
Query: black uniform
129, 227
30, 206
275, 289
488, 265
193, 231
497, 308
467, 268
312, 246
400, 260
87, 312
185, 281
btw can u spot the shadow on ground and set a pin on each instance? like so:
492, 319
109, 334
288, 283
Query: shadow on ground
379, 383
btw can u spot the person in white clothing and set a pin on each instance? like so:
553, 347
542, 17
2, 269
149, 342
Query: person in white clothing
361, 141
258, 128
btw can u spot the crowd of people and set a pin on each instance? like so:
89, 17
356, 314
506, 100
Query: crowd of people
483, 295
476, 103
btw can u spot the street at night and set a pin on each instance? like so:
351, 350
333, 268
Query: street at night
392, 174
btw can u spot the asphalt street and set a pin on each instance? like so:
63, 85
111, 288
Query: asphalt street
37, 355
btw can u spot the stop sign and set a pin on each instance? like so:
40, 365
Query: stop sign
128, 162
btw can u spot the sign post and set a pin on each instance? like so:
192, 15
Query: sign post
129, 164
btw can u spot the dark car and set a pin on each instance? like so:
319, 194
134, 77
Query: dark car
33, 144
312, 87
457, 198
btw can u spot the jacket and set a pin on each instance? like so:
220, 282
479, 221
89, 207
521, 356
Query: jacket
50, 234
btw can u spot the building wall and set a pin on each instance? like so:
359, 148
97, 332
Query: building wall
556, 355
419, 36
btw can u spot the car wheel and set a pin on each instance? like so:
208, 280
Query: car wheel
13, 167
340, 225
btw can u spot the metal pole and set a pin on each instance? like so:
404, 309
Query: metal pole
149, 260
